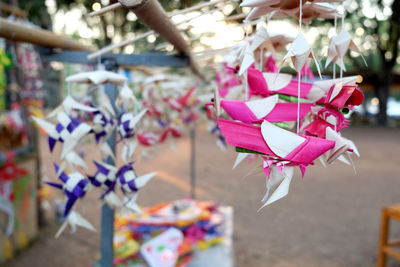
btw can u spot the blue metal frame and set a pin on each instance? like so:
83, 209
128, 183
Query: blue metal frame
145, 59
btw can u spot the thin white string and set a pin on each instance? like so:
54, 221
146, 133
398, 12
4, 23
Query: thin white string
261, 59
334, 63
246, 92
301, 14
341, 68
299, 74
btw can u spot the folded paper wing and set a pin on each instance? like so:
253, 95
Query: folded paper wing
261, 38
97, 77
280, 181
68, 105
74, 219
247, 59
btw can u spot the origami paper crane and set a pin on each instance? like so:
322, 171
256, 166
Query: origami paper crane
326, 117
274, 141
342, 145
68, 130
256, 111
68, 105
268, 83
74, 186
339, 46
344, 95
97, 77
261, 38
299, 52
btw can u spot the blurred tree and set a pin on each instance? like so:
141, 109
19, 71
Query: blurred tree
377, 23
113, 26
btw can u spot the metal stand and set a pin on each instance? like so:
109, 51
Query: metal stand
193, 161
107, 213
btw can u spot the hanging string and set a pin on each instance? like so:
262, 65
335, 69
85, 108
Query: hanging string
334, 63
341, 66
299, 74
261, 58
246, 86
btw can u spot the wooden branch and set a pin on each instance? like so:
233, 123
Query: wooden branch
106, 9
13, 10
18, 32
109, 48
194, 8
234, 17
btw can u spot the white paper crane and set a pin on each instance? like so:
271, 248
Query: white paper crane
299, 52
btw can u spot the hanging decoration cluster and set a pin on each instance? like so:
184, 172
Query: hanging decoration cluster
64, 125
286, 122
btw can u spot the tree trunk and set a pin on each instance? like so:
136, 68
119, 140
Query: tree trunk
383, 94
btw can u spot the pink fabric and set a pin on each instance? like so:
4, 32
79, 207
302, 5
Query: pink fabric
292, 87
250, 137
270, 65
349, 95
258, 85
238, 110
318, 126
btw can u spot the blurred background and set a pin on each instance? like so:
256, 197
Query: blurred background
330, 218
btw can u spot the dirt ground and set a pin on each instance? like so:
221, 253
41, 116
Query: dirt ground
330, 218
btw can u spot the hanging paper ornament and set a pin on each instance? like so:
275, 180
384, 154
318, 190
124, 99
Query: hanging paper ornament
130, 184
74, 186
103, 125
127, 122
68, 130
339, 46
105, 177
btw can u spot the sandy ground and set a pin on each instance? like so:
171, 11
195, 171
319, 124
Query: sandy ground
330, 218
